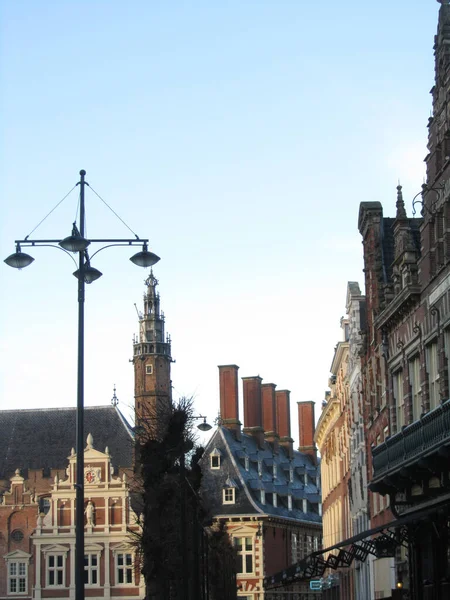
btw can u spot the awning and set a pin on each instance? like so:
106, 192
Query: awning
390, 535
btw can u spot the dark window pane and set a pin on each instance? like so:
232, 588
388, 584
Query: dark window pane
239, 564
60, 561
120, 575
86, 577
94, 560
129, 559
60, 578
248, 544
249, 563
51, 578
129, 576
51, 561
94, 577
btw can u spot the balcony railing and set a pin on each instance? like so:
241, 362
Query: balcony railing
420, 438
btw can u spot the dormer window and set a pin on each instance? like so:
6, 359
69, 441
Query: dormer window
247, 463
229, 492
215, 458
274, 471
289, 502
275, 500
260, 468
304, 505
263, 497
291, 474
229, 496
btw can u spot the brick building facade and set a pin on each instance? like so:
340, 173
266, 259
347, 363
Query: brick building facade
37, 478
267, 493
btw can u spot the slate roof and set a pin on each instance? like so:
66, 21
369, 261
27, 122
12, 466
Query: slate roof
43, 438
250, 483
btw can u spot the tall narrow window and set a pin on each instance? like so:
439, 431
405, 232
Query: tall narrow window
124, 568
416, 391
55, 570
17, 577
399, 398
91, 569
244, 549
433, 375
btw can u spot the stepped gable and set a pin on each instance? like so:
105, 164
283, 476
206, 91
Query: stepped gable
43, 438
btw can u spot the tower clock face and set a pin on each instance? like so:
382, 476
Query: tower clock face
92, 475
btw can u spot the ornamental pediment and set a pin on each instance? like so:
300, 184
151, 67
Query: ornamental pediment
17, 555
55, 549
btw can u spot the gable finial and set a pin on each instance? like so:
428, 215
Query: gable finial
114, 399
401, 212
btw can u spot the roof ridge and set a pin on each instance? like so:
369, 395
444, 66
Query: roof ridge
60, 408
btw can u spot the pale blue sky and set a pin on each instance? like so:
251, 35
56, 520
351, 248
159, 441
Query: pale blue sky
240, 137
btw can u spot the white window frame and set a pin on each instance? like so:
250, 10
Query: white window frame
244, 552
433, 375
90, 568
55, 569
16, 577
399, 398
123, 567
213, 458
229, 495
149, 369
416, 390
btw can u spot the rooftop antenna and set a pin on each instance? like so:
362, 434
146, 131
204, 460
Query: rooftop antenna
114, 399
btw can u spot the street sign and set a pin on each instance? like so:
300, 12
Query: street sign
315, 584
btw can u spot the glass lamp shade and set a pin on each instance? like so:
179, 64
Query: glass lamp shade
19, 260
90, 274
204, 426
74, 243
145, 258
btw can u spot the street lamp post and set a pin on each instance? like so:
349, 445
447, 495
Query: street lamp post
77, 243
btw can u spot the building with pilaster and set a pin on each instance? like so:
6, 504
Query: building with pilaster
265, 492
37, 479
332, 438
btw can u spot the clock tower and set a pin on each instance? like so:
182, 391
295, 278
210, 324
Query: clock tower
151, 360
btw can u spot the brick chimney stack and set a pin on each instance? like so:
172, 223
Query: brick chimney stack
229, 397
306, 428
269, 414
253, 408
283, 420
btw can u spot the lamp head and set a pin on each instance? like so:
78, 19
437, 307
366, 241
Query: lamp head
90, 274
145, 258
204, 426
74, 243
19, 259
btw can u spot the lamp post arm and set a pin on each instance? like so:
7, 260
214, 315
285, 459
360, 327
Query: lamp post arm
124, 241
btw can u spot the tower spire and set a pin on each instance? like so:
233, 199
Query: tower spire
151, 358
